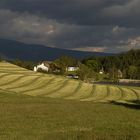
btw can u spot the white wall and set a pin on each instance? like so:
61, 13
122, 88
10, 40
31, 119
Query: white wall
72, 68
41, 66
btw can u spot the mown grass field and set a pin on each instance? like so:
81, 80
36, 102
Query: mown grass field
35, 106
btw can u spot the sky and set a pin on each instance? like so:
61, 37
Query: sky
86, 25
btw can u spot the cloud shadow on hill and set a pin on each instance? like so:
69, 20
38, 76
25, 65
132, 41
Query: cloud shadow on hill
132, 104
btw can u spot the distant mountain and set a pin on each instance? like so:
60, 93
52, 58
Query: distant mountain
10, 49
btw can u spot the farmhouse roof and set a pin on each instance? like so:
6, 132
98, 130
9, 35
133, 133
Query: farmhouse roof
46, 63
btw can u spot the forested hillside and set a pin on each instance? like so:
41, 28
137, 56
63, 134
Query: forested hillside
128, 63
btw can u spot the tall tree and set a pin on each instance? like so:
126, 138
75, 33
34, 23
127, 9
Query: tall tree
132, 71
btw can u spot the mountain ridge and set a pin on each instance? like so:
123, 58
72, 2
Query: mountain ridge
11, 49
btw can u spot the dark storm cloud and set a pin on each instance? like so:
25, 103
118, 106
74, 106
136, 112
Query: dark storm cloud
94, 25
81, 12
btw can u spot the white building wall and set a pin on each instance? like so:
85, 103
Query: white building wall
35, 69
72, 68
41, 66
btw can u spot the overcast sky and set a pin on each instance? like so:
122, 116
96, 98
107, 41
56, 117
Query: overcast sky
88, 25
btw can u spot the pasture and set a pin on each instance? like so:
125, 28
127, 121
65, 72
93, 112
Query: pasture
41, 106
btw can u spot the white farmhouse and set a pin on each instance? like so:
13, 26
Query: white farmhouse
43, 66
72, 68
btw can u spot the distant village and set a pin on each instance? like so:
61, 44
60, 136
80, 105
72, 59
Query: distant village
48, 66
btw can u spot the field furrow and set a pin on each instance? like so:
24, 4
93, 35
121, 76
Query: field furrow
3, 75
24, 82
29, 86
100, 94
107, 95
54, 87
129, 95
8, 78
35, 85
41, 88
14, 79
82, 90
122, 94
138, 92
66, 90
135, 93
114, 93
71, 94
90, 94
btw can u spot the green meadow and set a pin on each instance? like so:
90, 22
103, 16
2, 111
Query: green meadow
36, 106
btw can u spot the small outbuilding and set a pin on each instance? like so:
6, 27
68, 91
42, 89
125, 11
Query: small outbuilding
101, 71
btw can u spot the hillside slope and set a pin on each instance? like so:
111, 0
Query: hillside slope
10, 49
21, 81
35, 106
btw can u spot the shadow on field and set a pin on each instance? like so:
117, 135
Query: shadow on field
133, 104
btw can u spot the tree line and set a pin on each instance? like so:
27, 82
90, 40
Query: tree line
127, 63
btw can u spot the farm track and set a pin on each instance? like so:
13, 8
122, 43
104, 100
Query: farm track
14, 79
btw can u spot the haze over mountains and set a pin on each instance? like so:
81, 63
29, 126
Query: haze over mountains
10, 49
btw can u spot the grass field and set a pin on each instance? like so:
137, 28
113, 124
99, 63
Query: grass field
36, 106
